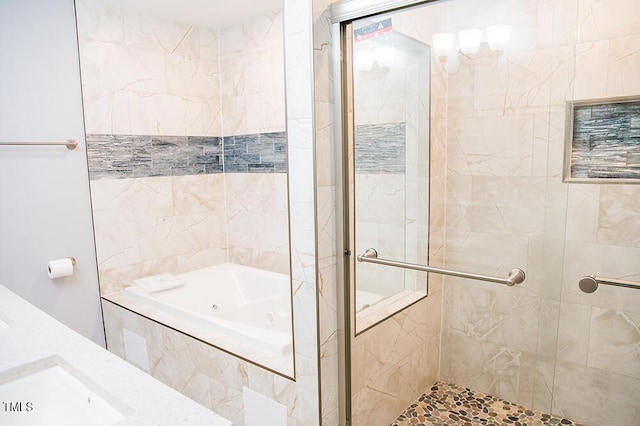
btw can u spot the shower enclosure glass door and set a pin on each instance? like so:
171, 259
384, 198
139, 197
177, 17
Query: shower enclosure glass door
508, 82
390, 165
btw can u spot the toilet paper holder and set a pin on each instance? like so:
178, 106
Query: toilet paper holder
61, 267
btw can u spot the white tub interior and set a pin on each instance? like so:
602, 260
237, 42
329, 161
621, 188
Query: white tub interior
241, 302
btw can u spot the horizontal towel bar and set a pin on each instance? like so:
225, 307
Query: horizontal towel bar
70, 144
590, 283
516, 276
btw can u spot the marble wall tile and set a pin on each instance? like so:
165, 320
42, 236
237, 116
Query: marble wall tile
555, 159
117, 245
618, 214
605, 398
506, 318
201, 259
379, 93
500, 145
252, 67
187, 76
591, 64
119, 67
512, 207
126, 200
193, 194
544, 268
131, 216
614, 342
172, 236
573, 333
562, 79
624, 64
478, 252
485, 366
256, 219
604, 19
387, 377
380, 198
99, 23
160, 34
565, 21
129, 89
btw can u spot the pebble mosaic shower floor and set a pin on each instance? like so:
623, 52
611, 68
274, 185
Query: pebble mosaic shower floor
449, 405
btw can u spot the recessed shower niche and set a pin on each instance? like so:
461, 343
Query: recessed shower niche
187, 148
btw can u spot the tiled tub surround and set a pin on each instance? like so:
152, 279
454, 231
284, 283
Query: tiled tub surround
146, 75
155, 104
174, 224
205, 318
172, 204
200, 371
126, 107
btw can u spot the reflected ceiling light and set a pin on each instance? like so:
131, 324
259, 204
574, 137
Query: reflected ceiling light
364, 60
470, 41
453, 63
385, 55
444, 43
498, 36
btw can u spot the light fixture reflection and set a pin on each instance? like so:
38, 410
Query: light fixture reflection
470, 41
385, 55
444, 43
364, 60
498, 36
453, 63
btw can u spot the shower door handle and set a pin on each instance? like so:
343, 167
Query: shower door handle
516, 276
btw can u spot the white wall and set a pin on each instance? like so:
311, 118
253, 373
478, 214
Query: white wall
45, 211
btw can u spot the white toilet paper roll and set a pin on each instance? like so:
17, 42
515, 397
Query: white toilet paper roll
60, 267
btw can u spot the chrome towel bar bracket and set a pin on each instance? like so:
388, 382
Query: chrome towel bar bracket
516, 276
590, 283
70, 144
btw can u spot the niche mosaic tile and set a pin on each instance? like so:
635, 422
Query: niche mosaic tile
380, 148
136, 156
605, 141
450, 405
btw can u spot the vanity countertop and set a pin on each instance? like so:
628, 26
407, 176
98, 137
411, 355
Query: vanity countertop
32, 335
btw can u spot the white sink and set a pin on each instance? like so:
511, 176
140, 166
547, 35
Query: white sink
52, 392
3, 324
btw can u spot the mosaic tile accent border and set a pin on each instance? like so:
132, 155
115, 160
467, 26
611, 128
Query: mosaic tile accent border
262, 152
605, 140
380, 148
450, 405
136, 156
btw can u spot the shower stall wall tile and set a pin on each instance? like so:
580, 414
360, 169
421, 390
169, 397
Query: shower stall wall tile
450, 405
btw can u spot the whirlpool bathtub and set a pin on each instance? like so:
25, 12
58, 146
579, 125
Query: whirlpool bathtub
248, 304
